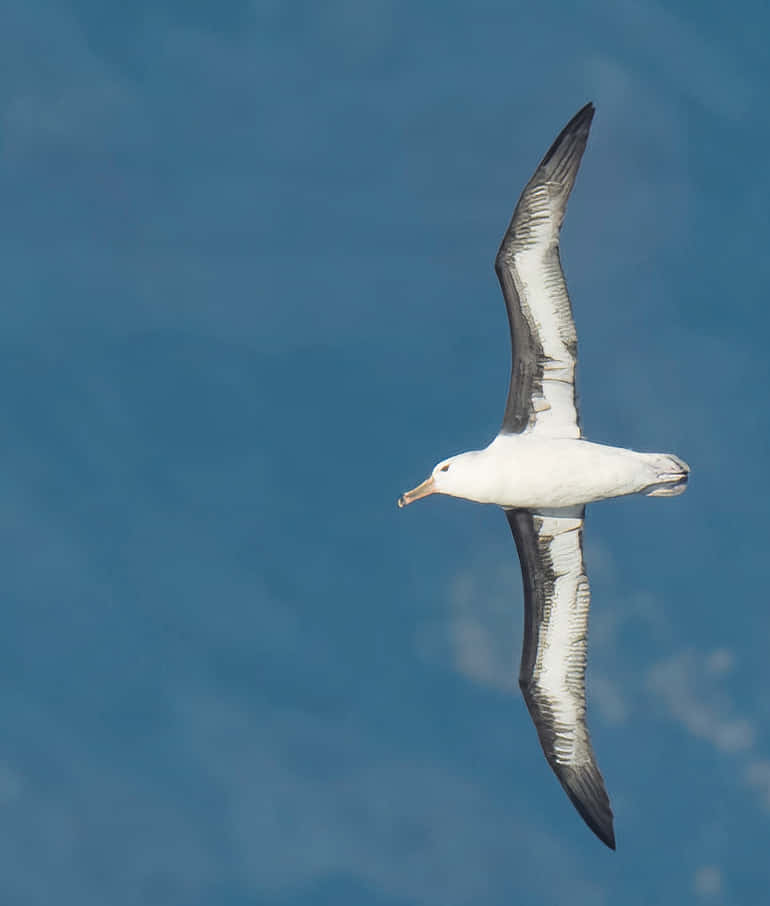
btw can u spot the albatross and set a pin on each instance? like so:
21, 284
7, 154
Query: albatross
542, 472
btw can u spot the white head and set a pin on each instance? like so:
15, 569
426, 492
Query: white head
459, 476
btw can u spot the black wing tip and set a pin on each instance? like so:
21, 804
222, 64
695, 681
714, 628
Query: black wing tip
571, 141
586, 112
585, 788
580, 122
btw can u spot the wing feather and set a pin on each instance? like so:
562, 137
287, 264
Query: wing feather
553, 660
541, 396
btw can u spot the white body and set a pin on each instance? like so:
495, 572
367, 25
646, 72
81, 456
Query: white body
530, 472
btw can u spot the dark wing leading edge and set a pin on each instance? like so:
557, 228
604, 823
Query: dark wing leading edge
541, 397
553, 659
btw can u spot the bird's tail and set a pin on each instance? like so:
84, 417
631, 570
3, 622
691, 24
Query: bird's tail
671, 475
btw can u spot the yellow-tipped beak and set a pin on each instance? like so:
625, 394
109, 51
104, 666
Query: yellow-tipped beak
422, 490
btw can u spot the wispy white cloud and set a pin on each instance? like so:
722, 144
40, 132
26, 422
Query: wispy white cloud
688, 687
707, 881
693, 688
605, 694
757, 775
480, 632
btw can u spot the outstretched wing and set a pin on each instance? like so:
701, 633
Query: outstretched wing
541, 396
553, 660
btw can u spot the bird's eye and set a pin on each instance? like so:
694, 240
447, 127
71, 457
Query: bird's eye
444, 468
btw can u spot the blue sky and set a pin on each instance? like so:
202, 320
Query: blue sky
248, 299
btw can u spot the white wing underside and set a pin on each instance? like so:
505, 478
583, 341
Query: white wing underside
553, 663
541, 287
560, 662
541, 396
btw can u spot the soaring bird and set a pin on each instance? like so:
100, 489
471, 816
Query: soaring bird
542, 472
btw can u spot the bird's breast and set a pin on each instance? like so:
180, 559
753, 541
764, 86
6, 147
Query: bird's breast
535, 473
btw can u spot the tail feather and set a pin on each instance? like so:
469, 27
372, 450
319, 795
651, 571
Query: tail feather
670, 478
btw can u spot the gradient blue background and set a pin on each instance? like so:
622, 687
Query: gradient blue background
247, 300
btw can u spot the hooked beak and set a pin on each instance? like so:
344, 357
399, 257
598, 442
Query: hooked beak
422, 490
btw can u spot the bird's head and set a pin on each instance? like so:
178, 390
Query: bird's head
456, 476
